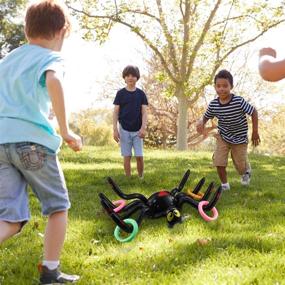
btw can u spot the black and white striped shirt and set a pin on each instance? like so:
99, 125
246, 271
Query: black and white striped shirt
232, 122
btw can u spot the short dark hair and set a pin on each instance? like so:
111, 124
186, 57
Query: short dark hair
45, 18
131, 70
225, 75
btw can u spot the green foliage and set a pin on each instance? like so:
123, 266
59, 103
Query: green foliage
245, 245
95, 126
11, 32
272, 132
192, 39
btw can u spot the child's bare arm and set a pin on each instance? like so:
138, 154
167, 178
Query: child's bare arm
144, 121
56, 93
201, 125
271, 69
255, 135
116, 134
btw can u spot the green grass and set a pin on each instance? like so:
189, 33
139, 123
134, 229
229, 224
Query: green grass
246, 244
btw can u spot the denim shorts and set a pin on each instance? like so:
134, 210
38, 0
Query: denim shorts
129, 140
23, 164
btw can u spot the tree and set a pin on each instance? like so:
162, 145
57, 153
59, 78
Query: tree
163, 112
93, 125
192, 38
273, 132
11, 33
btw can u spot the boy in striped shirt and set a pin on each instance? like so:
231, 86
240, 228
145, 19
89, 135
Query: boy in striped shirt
231, 110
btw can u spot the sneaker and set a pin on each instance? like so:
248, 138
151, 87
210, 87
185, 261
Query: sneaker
245, 179
225, 186
52, 277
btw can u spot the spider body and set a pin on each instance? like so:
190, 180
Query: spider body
160, 204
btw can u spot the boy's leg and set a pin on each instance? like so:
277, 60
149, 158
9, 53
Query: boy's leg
140, 165
127, 165
55, 235
8, 230
220, 158
41, 169
222, 172
137, 143
126, 149
241, 162
14, 210
240, 158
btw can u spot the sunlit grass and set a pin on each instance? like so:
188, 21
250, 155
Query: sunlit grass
246, 245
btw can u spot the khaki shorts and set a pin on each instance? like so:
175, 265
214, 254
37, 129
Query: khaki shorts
238, 154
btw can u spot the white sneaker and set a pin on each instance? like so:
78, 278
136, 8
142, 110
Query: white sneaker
245, 179
225, 186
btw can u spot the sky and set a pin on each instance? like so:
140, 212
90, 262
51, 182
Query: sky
90, 67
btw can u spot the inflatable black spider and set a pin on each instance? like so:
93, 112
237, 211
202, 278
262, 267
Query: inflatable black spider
159, 204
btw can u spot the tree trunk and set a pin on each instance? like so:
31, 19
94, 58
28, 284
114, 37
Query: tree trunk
182, 119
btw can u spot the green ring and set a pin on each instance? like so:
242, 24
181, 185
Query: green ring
131, 236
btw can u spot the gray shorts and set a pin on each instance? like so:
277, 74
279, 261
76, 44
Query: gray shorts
23, 164
129, 140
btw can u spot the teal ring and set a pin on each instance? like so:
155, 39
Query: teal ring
133, 233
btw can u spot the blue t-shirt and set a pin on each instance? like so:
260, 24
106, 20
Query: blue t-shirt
24, 100
130, 113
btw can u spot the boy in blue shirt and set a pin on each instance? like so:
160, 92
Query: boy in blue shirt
231, 110
131, 112
31, 81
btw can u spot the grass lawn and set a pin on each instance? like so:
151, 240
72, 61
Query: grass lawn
246, 245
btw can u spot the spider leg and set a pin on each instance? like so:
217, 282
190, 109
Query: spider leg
132, 208
181, 184
115, 217
214, 200
208, 192
123, 195
107, 201
184, 180
199, 186
184, 198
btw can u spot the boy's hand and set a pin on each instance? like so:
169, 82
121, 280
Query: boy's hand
200, 127
255, 138
116, 135
142, 133
267, 51
74, 141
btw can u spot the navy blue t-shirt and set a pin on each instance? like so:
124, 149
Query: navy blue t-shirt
130, 114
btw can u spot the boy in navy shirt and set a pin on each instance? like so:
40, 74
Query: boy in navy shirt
131, 112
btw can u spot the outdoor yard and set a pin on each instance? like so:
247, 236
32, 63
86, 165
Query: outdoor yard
244, 246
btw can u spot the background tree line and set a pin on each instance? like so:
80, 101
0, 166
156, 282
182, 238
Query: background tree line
190, 41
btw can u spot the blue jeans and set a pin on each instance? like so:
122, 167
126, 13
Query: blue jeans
129, 140
23, 164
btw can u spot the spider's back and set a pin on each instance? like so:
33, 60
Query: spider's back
159, 203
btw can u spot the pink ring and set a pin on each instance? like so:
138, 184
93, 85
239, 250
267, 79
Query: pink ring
204, 215
121, 203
